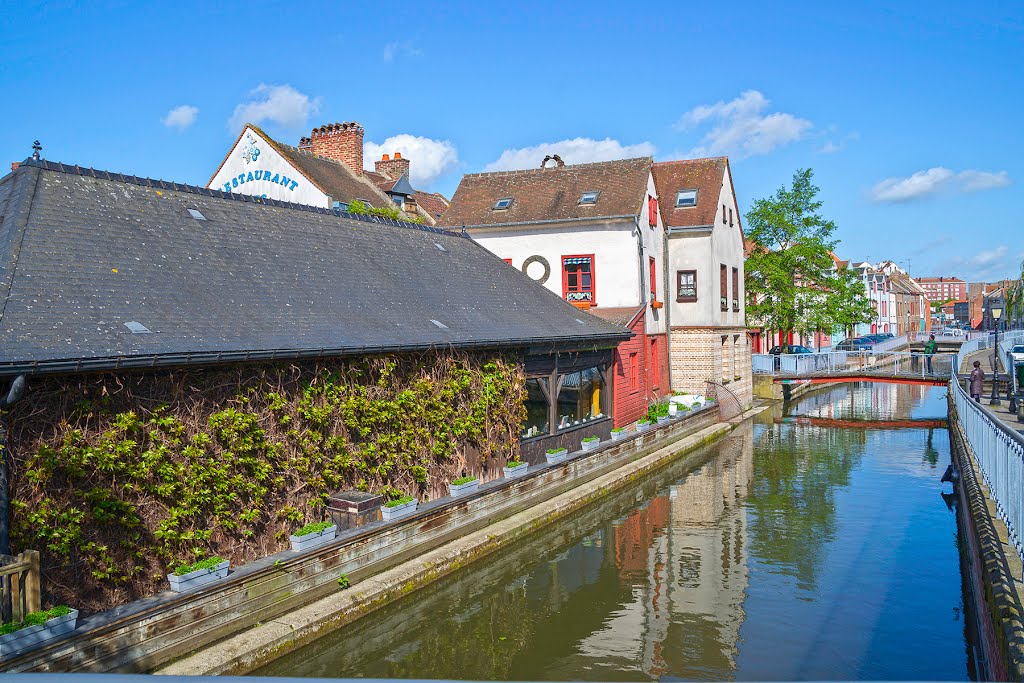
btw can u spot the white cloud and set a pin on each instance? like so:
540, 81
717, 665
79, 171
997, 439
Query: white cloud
831, 148
181, 117
574, 151
924, 183
988, 259
403, 49
741, 128
281, 104
429, 159
988, 264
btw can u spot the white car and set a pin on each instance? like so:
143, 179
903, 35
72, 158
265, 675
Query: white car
1016, 353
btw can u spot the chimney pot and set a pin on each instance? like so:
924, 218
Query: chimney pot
385, 157
398, 155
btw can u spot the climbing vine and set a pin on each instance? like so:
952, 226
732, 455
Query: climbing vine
119, 478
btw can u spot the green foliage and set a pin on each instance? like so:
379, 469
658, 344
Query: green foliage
463, 480
656, 410
398, 501
35, 619
792, 283
591, 439
555, 451
313, 528
115, 488
208, 563
343, 580
513, 463
392, 212
618, 430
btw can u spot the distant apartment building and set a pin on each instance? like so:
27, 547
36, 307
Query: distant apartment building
942, 289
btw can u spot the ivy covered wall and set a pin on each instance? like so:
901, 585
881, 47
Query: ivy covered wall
117, 478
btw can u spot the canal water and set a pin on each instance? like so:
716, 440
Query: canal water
812, 543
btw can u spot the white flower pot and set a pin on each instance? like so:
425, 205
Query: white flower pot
664, 419
618, 436
590, 445
517, 471
398, 511
463, 489
199, 577
32, 636
642, 426
557, 457
307, 541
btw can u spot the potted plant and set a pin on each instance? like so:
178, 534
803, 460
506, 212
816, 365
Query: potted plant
554, 455
313, 535
463, 485
619, 433
399, 507
38, 627
590, 443
189, 576
658, 412
515, 468
642, 425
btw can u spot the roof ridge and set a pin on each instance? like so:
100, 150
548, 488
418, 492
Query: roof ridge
556, 168
58, 167
690, 161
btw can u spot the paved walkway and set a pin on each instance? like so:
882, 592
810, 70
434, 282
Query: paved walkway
1001, 411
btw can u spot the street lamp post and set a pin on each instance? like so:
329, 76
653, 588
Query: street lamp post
996, 312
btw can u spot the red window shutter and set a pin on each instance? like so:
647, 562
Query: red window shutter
652, 211
654, 281
724, 286
655, 374
634, 372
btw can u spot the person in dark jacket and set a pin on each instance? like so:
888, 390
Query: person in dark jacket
977, 379
929, 351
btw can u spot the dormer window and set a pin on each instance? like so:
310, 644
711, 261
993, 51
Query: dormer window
503, 203
589, 198
686, 198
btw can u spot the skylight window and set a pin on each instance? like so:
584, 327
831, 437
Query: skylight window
589, 198
136, 327
196, 214
503, 203
686, 198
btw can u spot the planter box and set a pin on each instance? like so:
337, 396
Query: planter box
618, 436
307, 541
557, 457
513, 472
663, 419
199, 577
463, 489
590, 445
398, 511
641, 426
32, 636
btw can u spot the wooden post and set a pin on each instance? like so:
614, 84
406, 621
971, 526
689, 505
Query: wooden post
17, 596
553, 388
33, 577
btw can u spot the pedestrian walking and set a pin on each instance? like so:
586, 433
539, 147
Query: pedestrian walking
929, 351
977, 380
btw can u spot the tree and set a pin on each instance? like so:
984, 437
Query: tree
793, 283
1015, 299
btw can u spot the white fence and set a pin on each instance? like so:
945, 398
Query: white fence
874, 362
999, 450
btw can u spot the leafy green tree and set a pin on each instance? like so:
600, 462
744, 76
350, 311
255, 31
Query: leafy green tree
1015, 300
793, 283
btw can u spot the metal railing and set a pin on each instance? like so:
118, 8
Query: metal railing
873, 363
998, 449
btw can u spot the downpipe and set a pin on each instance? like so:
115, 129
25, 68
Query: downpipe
14, 394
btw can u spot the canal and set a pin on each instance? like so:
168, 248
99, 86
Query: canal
811, 543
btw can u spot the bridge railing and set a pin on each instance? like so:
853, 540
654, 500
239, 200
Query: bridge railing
998, 449
874, 363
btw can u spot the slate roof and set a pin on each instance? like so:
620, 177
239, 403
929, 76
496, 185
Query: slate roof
704, 175
550, 194
82, 252
623, 315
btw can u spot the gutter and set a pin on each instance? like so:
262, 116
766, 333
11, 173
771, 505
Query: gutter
188, 359
688, 229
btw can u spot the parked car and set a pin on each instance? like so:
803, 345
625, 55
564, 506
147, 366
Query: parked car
1016, 353
789, 348
856, 344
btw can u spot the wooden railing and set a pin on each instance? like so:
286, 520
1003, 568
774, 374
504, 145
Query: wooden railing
19, 585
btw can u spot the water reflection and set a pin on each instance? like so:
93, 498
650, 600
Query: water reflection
785, 551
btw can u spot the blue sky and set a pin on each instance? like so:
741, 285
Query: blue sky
908, 114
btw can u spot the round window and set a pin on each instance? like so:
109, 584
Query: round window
537, 269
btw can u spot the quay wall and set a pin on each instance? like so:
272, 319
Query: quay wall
992, 569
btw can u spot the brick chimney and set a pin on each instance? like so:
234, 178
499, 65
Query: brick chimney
393, 168
339, 141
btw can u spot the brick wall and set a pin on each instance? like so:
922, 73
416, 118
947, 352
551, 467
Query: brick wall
697, 356
339, 141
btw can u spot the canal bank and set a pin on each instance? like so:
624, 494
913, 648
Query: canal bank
992, 567
786, 550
